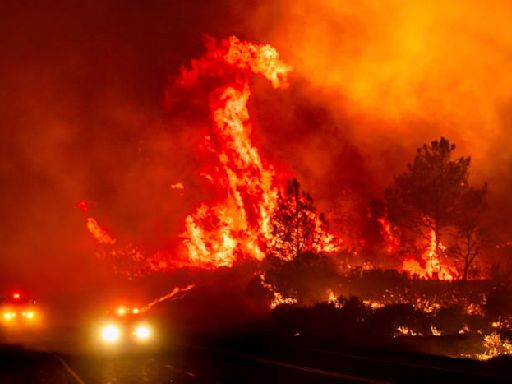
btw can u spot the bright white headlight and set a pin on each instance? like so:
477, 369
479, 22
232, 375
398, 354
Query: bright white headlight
9, 316
142, 332
28, 314
110, 333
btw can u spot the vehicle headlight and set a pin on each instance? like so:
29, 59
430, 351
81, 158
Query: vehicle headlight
143, 332
29, 315
110, 333
9, 316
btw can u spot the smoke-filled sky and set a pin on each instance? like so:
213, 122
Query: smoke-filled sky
82, 113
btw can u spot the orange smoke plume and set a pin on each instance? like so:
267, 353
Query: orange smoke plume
404, 71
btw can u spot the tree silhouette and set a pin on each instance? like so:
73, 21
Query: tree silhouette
296, 226
295, 266
306, 278
434, 195
469, 236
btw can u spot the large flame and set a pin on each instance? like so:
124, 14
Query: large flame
240, 224
431, 265
387, 231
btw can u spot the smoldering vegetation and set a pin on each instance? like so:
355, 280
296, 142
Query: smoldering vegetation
363, 311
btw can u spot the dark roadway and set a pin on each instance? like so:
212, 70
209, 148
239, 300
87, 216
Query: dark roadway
206, 362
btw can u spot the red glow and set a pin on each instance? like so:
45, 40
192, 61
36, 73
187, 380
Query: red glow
83, 206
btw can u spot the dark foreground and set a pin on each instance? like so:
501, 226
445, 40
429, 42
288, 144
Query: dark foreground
240, 360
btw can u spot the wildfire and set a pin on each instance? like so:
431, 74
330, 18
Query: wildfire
125, 259
391, 239
494, 346
435, 331
178, 186
100, 234
333, 299
374, 304
278, 298
216, 235
431, 265
169, 296
240, 224
406, 331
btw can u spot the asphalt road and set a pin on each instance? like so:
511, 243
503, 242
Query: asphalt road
206, 362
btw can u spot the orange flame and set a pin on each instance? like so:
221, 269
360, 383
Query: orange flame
100, 234
240, 224
179, 186
433, 267
171, 295
391, 239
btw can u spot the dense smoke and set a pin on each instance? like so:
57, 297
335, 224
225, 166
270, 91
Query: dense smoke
82, 115
396, 74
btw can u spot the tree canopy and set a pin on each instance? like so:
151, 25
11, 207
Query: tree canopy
296, 226
434, 195
295, 265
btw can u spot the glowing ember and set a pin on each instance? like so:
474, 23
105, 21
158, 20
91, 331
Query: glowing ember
406, 331
391, 239
100, 234
125, 259
178, 186
333, 299
173, 295
373, 304
278, 298
464, 330
435, 331
494, 346
83, 206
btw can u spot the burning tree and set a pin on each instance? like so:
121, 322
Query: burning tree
296, 226
298, 265
432, 199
